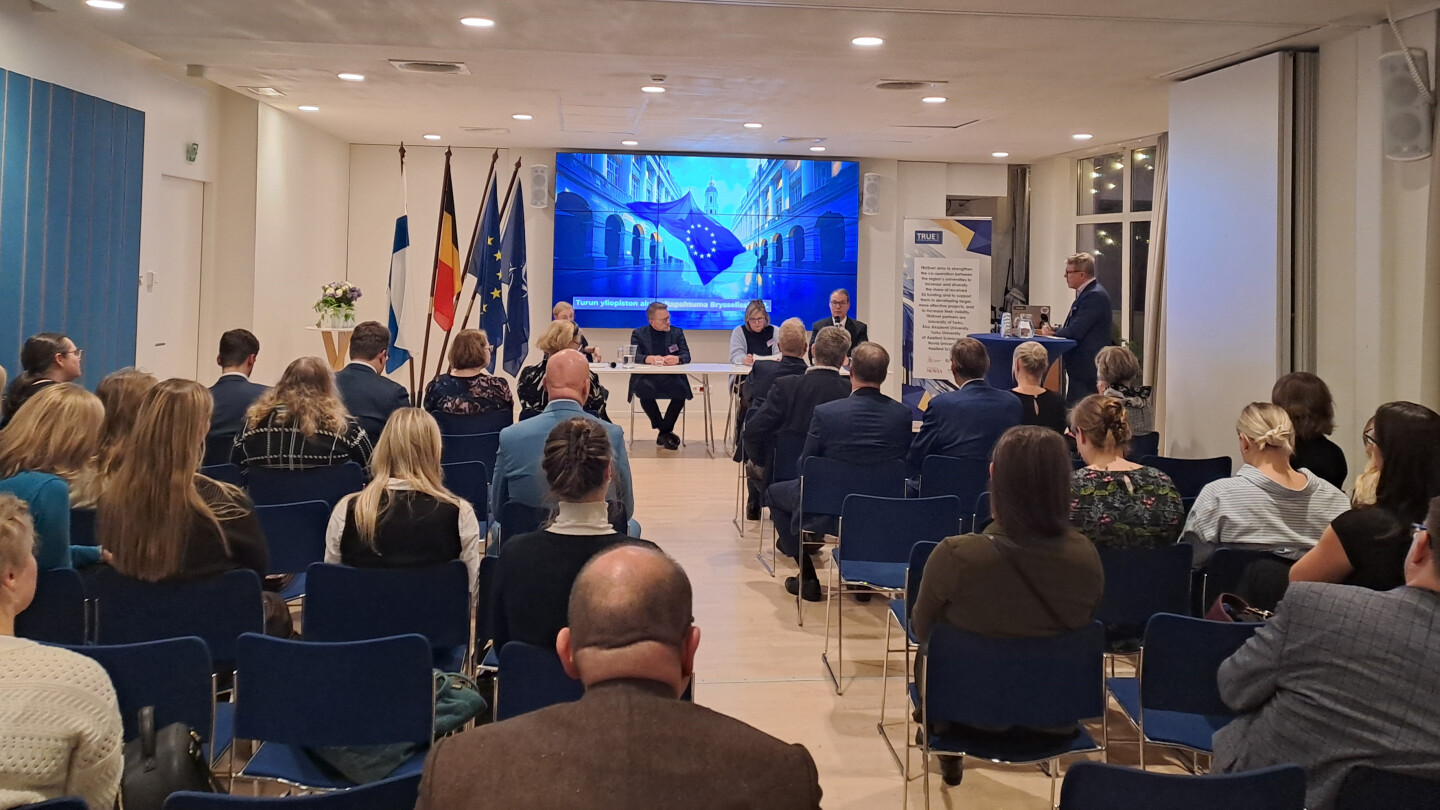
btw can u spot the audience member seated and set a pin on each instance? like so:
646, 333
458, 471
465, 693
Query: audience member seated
518, 475
301, 423
1114, 502
367, 393
1118, 374
60, 729
1028, 575
1342, 677
47, 449
532, 588
754, 338
162, 520
629, 742
755, 389
467, 388
233, 393
866, 427
1306, 398
120, 392
530, 385
1366, 546
45, 359
1038, 405
405, 517
1363, 493
660, 344
564, 312
967, 422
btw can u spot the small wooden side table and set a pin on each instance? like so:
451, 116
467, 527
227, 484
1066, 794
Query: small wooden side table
337, 343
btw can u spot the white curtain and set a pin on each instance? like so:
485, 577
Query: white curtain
1153, 363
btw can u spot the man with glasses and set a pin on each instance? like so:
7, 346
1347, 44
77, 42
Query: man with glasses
1088, 324
839, 310
660, 344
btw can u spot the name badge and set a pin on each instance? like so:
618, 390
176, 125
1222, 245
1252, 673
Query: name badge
674, 347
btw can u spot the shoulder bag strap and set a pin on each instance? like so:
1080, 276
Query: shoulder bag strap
1029, 584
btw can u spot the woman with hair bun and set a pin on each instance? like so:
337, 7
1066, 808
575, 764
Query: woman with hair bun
1115, 502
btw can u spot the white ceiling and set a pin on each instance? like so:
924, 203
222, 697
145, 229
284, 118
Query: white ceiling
1029, 72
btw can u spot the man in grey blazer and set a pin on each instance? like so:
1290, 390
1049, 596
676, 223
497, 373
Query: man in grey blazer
1342, 676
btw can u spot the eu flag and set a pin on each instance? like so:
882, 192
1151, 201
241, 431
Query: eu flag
712, 246
517, 327
485, 266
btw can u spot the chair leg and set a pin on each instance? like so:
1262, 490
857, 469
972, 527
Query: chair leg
833, 670
1054, 777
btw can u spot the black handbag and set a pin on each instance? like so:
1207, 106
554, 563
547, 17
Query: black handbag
162, 762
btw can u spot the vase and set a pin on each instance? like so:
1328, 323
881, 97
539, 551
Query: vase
339, 320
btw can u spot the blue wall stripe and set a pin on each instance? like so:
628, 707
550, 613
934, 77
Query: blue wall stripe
13, 155
129, 264
57, 204
102, 224
78, 272
32, 278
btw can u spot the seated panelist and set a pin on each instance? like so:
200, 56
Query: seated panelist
660, 344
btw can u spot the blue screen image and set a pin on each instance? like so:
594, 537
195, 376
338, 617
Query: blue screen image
706, 235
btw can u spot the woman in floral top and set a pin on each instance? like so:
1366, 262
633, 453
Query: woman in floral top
1118, 503
468, 388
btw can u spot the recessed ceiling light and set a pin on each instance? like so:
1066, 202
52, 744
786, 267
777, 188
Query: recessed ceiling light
350, 77
108, 5
308, 108
432, 137
999, 154
1082, 136
522, 116
867, 42
652, 88
477, 22
629, 143
934, 99
753, 125
817, 149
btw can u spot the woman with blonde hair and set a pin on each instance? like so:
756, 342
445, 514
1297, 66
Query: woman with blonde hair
529, 384
1368, 481
1115, 502
753, 338
45, 451
301, 423
563, 311
121, 393
1038, 405
467, 388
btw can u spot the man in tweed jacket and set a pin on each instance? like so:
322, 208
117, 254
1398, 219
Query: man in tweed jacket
1342, 676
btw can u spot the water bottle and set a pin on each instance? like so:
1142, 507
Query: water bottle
1004, 324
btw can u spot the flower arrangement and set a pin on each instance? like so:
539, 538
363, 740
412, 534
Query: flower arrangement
337, 304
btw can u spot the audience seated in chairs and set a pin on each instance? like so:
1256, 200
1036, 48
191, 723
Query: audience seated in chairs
1038, 405
60, 729
233, 393
48, 449
1340, 677
468, 389
629, 742
120, 392
1117, 372
1363, 493
162, 520
301, 423
45, 359
405, 517
755, 389
967, 422
530, 384
532, 587
1028, 575
1306, 398
1114, 502
1366, 546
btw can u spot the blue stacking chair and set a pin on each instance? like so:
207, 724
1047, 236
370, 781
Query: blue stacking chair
57, 614
82, 527
784, 466
62, 803
217, 450
873, 553
824, 485
482, 447
175, 676
981, 517
293, 695
1175, 701
328, 484
1222, 572
1097, 786
531, 678
979, 681
516, 518
1144, 445
471, 481
485, 614
1190, 475
218, 609
350, 604
456, 424
1139, 583
964, 478
1367, 788
395, 793
898, 616
295, 534
226, 473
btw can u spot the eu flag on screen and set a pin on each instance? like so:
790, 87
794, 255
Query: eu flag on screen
485, 266
712, 246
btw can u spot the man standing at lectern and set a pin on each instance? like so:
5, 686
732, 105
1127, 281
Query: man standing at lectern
1088, 324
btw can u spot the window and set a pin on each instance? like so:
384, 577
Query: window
1114, 198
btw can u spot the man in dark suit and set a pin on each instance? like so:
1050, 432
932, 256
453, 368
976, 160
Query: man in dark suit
866, 427
233, 393
629, 742
839, 309
367, 393
1088, 324
1342, 676
660, 344
763, 376
967, 422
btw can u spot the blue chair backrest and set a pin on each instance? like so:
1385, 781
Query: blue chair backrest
517, 518
1098, 786
485, 600
919, 555
328, 484
1146, 444
482, 447
226, 473
350, 604
57, 614
824, 483
1225, 568
785, 463
963, 477
173, 675
532, 678
1141, 582
218, 609
1367, 788
1181, 660
987, 681
294, 533
62, 803
886, 529
371, 692
471, 481
1190, 474
455, 424
981, 516
395, 793
82, 527
217, 449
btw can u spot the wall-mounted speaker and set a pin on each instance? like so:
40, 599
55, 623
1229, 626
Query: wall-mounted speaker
870, 194
1407, 112
539, 187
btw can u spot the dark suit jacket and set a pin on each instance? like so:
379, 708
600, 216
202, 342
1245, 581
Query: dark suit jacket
788, 409
369, 397
859, 332
866, 427
233, 395
648, 341
764, 374
625, 745
965, 423
1089, 325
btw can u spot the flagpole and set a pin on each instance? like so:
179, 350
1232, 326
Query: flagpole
404, 192
469, 257
434, 273
504, 205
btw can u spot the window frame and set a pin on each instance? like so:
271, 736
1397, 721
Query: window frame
1126, 217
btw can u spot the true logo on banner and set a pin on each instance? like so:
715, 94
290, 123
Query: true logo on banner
929, 237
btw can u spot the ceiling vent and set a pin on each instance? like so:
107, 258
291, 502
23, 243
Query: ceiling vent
486, 130
907, 84
793, 139
432, 68
263, 91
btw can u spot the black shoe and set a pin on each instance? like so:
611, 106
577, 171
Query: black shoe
863, 597
752, 511
952, 770
811, 592
672, 441
660, 441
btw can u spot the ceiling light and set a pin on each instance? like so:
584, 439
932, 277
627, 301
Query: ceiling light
934, 99
817, 149
999, 154
867, 42
308, 108
522, 116
350, 77
432, 137
629, 143
477, 22
1082, 136
652, 88
108, 5
753, 125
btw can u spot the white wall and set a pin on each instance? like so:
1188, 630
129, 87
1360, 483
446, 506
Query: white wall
1052, 232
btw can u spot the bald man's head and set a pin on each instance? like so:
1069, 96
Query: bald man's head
567, 376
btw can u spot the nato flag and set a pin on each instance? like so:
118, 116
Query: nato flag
711, 245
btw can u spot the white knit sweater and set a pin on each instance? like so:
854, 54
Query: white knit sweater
60, 732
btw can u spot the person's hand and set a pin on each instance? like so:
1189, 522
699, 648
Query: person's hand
655, 360
749, 359
1047, 330
671, 360
106, 557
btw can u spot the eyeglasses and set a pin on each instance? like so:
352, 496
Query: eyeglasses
1071, 272
79, 353
1416, 528
1368, 436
